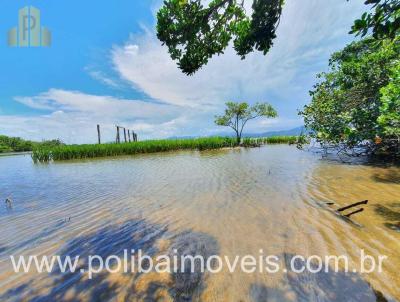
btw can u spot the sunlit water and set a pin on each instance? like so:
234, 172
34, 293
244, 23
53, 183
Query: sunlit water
227, 202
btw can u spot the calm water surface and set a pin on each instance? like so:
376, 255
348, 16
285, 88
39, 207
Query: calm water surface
227, 202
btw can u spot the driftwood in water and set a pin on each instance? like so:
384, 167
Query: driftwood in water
352, 205
346, 217
354, 212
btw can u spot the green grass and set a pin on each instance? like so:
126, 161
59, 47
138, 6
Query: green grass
248, 142
68, 152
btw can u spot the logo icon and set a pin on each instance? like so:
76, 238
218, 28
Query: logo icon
29, 32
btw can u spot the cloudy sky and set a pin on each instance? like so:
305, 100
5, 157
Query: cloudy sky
106, 66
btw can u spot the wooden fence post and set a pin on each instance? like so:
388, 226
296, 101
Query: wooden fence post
98, 134
118, 140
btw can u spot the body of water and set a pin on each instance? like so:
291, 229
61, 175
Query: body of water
262, 201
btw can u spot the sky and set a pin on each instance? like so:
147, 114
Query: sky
105, 66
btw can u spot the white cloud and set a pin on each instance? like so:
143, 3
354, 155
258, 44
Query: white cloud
74, 116
309, 32
119, 109
102, 77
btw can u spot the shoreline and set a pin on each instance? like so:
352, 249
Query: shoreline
15, 153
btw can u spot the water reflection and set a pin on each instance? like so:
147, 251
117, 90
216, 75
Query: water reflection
330, 286
390, 215
389, 175
37, 239
321, 287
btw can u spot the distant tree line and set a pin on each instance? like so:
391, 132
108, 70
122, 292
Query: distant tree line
17, 144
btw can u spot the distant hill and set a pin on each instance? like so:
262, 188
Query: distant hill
182, 137
290, 132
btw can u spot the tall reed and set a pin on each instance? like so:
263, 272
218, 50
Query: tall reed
68, 152
90, 151
249, 141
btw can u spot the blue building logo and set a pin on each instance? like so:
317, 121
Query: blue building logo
29, 32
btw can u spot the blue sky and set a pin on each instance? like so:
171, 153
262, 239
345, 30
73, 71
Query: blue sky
106, 66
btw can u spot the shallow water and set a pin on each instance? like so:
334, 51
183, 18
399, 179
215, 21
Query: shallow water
226, 202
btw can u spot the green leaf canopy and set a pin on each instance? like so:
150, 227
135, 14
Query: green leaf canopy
194, 32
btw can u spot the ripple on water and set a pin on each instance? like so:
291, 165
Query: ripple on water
213, 202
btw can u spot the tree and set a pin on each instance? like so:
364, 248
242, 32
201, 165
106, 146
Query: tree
389, 118
383, 21
194, 32
357, 101
238, 114
17, 144
14, 144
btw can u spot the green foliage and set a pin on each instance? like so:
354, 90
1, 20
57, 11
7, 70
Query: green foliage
42, 155
17, 144
238, 114
4, 149
253, 142
302, 140
49, 143
194, 32
383, 21
70, 152
358, 100
389, 118
46, 154
14, 144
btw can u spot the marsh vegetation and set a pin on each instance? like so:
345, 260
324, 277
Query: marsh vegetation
67, 152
